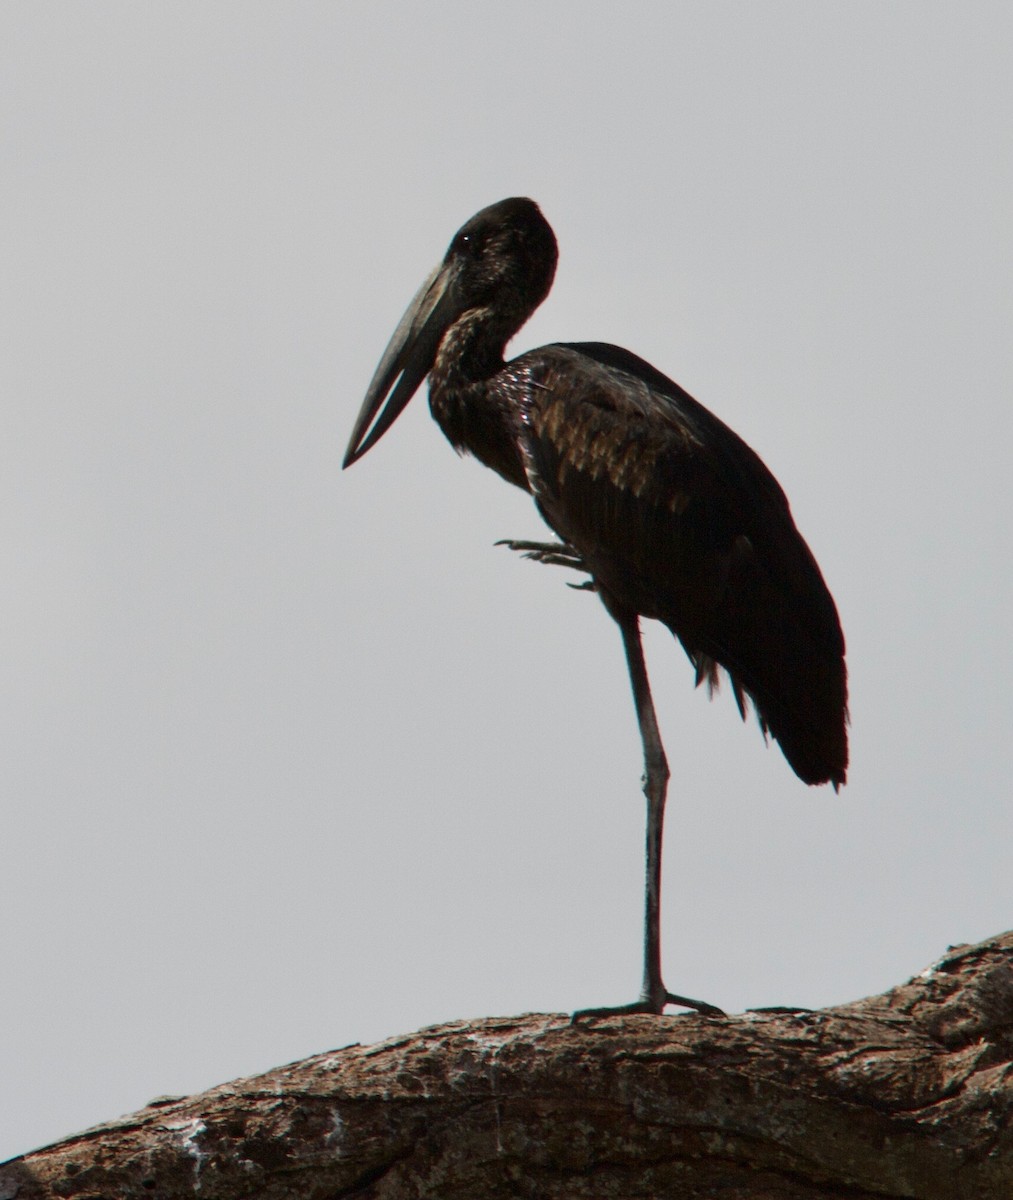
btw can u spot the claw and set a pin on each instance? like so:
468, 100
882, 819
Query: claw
555, 554
648, 1006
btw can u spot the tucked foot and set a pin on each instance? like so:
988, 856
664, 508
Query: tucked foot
647, 1004
556, 554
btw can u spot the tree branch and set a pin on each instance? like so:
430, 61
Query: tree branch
909, 1094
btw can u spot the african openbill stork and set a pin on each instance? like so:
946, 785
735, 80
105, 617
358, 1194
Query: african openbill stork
666, 509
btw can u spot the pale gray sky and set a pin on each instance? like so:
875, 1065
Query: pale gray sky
295, 758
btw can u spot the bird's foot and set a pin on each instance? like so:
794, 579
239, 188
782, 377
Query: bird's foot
650, 1005
556, 554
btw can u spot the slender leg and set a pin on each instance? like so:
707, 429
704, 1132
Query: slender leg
653, 994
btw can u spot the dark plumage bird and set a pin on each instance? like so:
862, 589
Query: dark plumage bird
668, 511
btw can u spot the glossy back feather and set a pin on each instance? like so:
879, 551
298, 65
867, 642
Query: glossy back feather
679, 520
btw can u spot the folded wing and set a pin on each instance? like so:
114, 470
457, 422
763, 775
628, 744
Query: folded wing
679, 520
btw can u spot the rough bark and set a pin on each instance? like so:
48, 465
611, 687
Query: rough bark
909, 1094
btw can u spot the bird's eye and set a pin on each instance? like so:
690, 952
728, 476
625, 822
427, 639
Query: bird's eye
467, 243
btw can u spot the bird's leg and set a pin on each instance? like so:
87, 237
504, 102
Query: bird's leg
557, 554
653, 995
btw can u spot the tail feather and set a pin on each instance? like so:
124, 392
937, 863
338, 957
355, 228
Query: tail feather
788, 661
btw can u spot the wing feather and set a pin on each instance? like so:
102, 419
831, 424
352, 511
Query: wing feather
679, 520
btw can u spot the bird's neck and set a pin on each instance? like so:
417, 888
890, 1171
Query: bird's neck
476, 414
470, 351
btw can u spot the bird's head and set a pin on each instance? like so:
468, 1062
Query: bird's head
501, 264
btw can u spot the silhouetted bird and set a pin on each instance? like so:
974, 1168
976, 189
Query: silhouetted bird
668, 511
